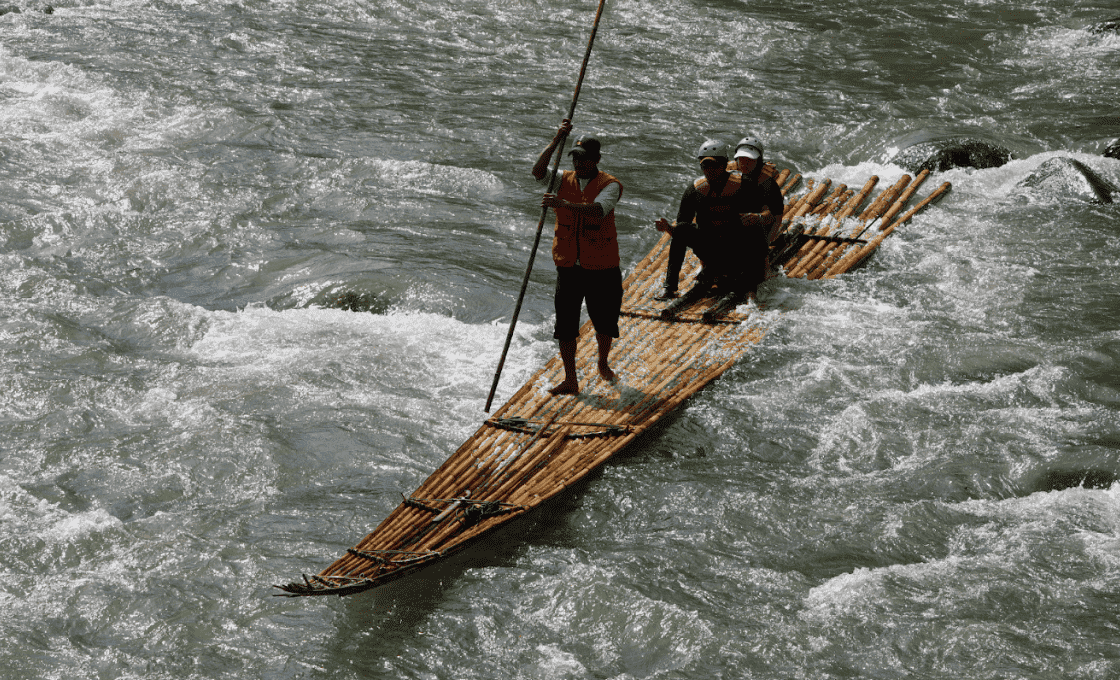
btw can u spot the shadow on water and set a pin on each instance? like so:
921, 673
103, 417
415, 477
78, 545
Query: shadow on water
374, 629
376, 625
1072, 478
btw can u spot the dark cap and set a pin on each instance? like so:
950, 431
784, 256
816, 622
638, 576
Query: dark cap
586, 145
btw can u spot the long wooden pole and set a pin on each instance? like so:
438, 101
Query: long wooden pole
544, 210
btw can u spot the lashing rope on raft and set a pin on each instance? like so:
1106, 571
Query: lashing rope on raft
526, 426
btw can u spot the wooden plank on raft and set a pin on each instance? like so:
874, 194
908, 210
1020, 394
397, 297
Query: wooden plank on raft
537, 445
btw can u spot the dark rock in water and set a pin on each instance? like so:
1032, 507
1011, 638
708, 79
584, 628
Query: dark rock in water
14, 9
1110, 26
1113, 149
1066, 176
353, 301
1056, 480
938, 156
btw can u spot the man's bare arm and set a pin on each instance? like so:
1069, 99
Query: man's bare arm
541, 166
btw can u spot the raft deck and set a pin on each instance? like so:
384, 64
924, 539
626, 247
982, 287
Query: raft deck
537, 445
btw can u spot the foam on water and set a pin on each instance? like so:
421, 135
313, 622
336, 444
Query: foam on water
371, 356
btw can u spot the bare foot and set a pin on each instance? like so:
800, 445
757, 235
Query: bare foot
566, 387
606, 373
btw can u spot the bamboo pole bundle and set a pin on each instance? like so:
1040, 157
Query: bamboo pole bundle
396, 526
787, 181
563, 480
821, 248
801, 207
883, 198
546, 447
434, 541
820, 225
904, 198
795, 212
840, 194
400, 518
799, 197
873, 212
394, 536
481, 479
781, 177
858, 200
886, 199
346, 565
857, 256
665, 381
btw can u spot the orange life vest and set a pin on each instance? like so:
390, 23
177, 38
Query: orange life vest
716, 210
769, 170
590, 241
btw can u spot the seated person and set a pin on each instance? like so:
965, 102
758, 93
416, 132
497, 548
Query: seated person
720, 218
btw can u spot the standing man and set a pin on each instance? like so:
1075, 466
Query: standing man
719, 220
585, 252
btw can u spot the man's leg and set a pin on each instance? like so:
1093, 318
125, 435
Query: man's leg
604, 304
604, 356
678, 248
567, 300
570, 384
702, 286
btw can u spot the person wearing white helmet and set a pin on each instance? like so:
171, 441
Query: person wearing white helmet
761, 180
585, 252
716, 220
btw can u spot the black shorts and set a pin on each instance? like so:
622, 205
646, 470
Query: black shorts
602, 290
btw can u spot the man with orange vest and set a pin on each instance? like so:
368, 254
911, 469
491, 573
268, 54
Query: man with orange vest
722, 219
585, 252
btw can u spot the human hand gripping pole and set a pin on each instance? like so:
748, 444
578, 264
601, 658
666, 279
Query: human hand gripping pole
544, 209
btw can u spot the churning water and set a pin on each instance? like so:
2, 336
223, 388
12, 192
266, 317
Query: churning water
257, 262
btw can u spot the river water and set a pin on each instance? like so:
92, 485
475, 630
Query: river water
257, 263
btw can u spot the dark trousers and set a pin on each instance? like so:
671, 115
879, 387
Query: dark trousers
601, 289
734, 265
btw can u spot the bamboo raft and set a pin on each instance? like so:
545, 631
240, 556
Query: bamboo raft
537, 445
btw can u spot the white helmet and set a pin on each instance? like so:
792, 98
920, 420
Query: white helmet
713, 148
749, 146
